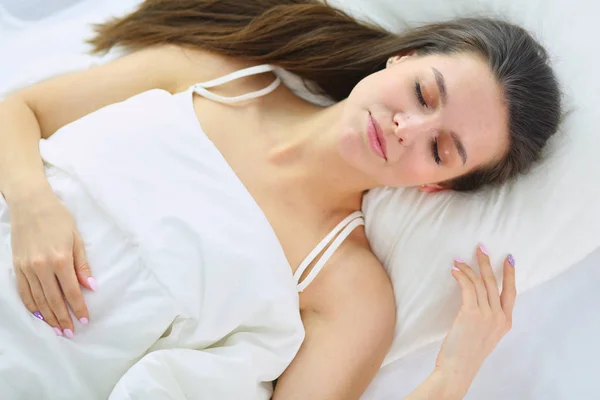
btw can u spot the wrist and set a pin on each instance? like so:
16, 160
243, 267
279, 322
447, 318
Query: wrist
452, 384
26, 191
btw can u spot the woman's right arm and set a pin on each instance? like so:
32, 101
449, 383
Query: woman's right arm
38, 111
48, 254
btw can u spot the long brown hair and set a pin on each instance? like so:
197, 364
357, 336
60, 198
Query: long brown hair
329, 48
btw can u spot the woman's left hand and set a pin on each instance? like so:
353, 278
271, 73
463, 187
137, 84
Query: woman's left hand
484, 318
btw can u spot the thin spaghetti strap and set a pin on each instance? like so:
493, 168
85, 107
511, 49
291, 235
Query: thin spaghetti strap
201, 88
327, 255
230, 100
326, 240
258, 69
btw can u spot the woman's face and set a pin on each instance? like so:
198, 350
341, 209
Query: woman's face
424, 120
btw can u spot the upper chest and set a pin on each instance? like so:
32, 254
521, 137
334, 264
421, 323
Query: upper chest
297, 216
293, 211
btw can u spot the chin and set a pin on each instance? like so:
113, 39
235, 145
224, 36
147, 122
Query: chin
355, 152
351, 147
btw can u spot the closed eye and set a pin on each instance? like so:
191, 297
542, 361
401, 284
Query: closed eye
419, 94
435, 152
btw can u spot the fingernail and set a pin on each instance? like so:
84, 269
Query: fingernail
38, 315
511, 260
93, 284
69, 333
459, 260
84, 321
455, 269
58, 332
483, 249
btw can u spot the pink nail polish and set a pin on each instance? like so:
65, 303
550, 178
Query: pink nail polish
69, 333
483, 249
58, 332
93, 284
459, 260
84, 321
455, 269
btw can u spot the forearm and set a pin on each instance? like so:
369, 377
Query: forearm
21, 167
438, 386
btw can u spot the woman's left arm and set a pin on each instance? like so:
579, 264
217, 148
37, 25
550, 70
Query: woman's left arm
347, 337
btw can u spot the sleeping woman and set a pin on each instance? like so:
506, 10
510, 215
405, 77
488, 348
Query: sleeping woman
177, 223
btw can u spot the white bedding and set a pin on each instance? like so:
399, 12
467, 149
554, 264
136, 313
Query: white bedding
195, 296
551, 353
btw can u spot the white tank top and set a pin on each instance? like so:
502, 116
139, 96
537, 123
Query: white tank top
336, 237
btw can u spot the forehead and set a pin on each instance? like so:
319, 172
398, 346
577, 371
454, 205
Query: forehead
476, 110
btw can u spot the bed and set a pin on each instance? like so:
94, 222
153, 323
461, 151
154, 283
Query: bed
552, 351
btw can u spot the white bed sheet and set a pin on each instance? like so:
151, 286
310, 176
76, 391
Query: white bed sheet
553, 350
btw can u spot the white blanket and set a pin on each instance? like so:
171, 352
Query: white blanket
196, 298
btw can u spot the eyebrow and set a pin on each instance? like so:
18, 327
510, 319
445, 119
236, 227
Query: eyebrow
459, 147
441, 83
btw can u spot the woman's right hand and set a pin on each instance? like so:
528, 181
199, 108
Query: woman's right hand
49, 260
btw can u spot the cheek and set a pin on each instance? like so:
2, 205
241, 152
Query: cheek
377, 88
362, 87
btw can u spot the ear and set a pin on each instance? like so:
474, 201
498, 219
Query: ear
431, 188
396, 59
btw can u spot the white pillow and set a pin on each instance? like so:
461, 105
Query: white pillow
548, 219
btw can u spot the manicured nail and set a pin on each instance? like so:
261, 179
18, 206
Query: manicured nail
511, 260
38, 315
483, 249
93, 284
84, 321
58, 332
455, 269
459, 260
69, 333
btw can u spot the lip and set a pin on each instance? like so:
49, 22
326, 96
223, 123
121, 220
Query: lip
376, 139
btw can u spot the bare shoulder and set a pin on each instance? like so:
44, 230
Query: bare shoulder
60, 100
354, 283
349, 319
197, 65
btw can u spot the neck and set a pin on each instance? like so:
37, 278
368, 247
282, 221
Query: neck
308, 154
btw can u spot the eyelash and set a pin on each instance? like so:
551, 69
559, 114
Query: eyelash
434, 150
419, 94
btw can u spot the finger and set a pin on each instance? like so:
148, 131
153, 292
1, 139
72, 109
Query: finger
509, 288
67, 278
477, 282
489, 280
469, 297
41, 304
56, 303
25, 291
82, 268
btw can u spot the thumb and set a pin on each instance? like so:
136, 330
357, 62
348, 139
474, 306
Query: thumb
82, 268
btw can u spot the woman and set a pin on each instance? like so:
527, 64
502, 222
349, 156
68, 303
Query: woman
450, 106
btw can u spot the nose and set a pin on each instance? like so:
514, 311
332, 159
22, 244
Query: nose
408, 127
